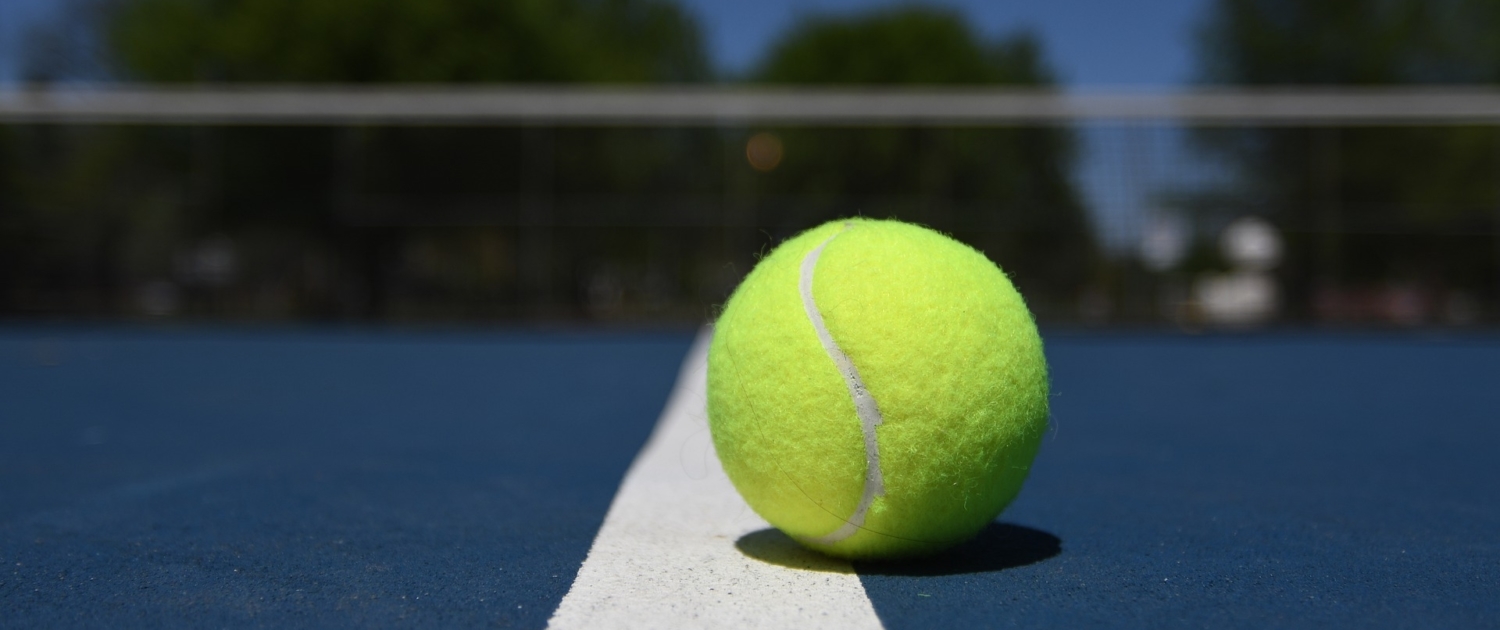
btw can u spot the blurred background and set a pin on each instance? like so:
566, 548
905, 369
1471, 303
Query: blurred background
1100, 222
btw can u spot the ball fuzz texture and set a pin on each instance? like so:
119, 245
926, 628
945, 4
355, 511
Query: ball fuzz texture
876, 389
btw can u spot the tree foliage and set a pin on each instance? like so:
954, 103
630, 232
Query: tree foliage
344, 203
409, 41
1353, 42
343, 218
903, 47
1005, 190
1367, 183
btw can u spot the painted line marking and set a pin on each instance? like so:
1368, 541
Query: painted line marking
667, 555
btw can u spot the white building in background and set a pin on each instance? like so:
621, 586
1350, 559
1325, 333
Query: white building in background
1248, 295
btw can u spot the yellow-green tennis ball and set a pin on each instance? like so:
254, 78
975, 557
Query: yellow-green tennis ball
876, 389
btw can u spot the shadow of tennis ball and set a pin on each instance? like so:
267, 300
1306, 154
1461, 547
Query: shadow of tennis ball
773, 547
999, 546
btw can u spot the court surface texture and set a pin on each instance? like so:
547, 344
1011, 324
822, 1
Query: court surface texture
448, 479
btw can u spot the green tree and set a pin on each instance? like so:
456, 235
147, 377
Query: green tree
1364, 204
1357, 42
1005, 190
347, 202
407, 41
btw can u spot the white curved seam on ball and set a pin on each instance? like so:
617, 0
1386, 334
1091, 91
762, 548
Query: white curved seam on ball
864, 402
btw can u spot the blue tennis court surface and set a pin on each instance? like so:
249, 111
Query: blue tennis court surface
230, 478
276, 480
1263, 481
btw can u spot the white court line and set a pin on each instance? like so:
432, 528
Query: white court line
666, 555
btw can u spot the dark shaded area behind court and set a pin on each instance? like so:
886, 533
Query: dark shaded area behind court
1392, 226
512, 223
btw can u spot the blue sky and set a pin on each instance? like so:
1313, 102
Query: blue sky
15, 17
1090, 43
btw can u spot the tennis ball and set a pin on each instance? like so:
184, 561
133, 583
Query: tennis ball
876, 389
